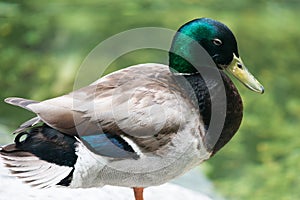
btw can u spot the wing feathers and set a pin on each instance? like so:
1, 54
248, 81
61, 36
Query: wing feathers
109, 145
34, 171
141, 101
23, 103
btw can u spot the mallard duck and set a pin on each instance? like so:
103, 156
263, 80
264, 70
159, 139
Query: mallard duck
140, 126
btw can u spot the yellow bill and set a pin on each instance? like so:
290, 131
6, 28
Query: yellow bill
238, 69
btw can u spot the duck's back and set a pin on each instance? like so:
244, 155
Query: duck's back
154, 131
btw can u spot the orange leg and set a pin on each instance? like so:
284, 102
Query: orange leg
138, 193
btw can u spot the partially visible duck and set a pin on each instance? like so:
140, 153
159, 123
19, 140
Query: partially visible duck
137, 127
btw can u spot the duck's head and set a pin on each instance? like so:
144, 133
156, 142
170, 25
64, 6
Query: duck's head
219, 42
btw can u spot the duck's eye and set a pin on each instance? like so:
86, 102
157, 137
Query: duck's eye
217, 42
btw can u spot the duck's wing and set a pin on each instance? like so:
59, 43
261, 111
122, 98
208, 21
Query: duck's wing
140, 104
55, 112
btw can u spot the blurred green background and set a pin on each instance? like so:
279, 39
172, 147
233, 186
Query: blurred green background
43, 44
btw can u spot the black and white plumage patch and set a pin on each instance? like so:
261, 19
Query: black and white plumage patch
49, 144
34, 171
42, 157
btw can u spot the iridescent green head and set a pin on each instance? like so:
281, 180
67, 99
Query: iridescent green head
218, 41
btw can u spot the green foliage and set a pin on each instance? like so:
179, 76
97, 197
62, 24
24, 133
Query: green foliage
43, 44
